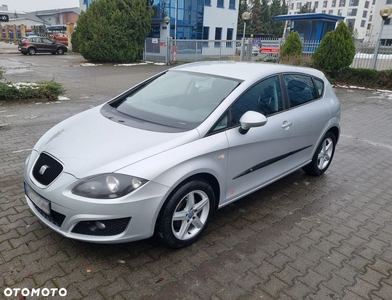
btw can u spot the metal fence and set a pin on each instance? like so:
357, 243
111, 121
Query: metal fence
364, 55
170, 50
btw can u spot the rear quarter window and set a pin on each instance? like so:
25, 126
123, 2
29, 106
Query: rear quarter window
320, 86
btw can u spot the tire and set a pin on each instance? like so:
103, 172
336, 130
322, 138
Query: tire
24, 53
186, 214
60, 51
322, 158
32, 51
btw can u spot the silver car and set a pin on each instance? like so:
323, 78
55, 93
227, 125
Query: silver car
161, 157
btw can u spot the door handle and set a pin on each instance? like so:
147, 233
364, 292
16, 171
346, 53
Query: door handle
286, 124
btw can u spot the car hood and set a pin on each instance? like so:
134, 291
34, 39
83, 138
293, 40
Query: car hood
89, 144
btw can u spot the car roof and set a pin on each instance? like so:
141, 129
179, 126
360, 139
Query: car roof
244, 70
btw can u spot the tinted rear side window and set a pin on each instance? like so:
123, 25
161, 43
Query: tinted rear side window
319, 86
300, 89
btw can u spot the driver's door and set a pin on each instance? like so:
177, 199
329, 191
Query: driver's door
48, 45
260, 155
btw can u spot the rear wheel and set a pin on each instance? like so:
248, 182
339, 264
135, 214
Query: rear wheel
60, 51
32, 51
323, 156
186, 214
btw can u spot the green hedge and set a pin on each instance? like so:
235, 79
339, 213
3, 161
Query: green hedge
40, 90
364, 77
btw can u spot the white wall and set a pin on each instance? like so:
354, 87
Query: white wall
220, 17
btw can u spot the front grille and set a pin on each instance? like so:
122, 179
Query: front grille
112, 227
54, 218
46, 169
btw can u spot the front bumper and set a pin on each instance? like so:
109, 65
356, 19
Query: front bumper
125, 219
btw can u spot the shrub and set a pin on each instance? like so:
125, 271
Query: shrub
75, 42
40, 90
336, 50
291, 50
114, 31
364, 77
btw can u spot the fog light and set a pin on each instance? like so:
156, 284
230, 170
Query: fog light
97, 226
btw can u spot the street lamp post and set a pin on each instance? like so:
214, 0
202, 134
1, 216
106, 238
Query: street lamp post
385, 12
245, 17
167, 21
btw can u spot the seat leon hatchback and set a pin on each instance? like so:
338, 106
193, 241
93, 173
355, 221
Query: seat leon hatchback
164, 155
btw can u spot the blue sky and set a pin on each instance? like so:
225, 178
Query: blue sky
32, 5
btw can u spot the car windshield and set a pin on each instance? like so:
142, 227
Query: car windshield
177, 99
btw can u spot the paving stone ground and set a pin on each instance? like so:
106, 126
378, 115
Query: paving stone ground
300, 238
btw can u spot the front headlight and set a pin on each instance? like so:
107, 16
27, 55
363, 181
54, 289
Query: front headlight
107, 186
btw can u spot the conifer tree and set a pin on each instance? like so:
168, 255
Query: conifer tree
336, 50
291, 50
114, 30
256, 22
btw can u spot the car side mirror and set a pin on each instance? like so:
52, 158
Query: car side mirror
251, 119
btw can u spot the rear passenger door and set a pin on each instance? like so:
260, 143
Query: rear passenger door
309, 113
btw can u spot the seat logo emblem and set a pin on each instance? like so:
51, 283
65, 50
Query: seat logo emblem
43, 169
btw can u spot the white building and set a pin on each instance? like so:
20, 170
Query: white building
362, 14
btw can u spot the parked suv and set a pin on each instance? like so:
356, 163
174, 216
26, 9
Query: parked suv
36, 44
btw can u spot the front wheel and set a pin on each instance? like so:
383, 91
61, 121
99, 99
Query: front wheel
186, 214
323, 156
32, 51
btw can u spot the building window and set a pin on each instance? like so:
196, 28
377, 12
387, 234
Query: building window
229, 37
340, 11
367, 4
206, 33
291, 6
355, 3
387, 21
316, 4
299, 5
363, 23
330, 11
342, 3
350, 21
218, 36
325, 3
219, 3
364, 14
232, 4
207, 2
323, 11
389, 2
333, 3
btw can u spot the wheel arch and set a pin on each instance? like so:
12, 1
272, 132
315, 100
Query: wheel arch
335, 131
209, 178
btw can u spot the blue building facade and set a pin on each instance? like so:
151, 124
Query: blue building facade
311, 26
186, 18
